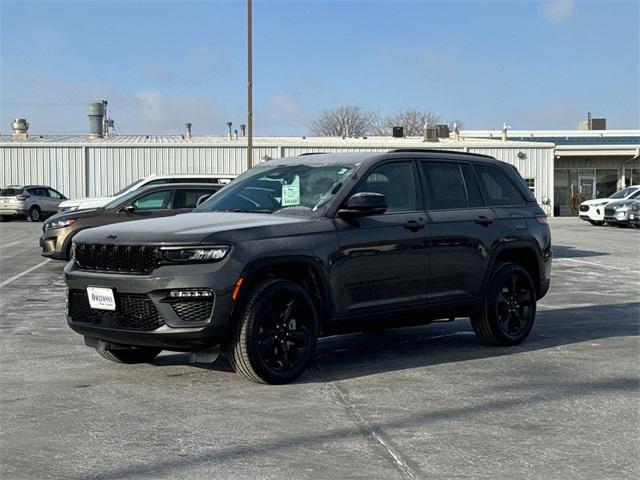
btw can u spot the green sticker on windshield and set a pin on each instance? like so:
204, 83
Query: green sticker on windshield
291, 193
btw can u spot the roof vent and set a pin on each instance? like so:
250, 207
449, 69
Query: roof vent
19, 128
97, 112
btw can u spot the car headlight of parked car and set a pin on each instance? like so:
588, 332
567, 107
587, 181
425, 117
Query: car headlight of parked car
195, 253
59, 223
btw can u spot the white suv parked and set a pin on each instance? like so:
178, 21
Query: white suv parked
97, 202
592, 211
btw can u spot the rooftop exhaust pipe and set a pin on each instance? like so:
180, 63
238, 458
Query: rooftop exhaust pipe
188, 134
243, 130
229, 127
97, 113
19, 127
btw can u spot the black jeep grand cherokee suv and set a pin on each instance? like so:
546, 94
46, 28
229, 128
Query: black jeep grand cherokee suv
304, 247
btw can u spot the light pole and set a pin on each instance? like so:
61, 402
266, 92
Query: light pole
249, 85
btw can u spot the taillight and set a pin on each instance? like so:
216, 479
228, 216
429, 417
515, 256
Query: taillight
22, 198
542, 218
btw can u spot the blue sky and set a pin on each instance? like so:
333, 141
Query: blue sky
163, 63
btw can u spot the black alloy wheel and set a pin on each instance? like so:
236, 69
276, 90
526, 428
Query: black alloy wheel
277, 334
509, 309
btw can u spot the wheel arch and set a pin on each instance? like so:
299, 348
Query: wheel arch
305, 271
524, 254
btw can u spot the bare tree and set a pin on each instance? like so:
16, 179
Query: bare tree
413, 121
347, 121
379, 125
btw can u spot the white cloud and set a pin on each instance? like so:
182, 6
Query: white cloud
558, 11
281, 114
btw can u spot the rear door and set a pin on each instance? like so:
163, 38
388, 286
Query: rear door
383, 259
462, 230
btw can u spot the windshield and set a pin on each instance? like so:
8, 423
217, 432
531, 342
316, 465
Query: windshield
120, 192
291, 189
623, 193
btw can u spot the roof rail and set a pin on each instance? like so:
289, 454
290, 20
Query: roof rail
437, 150
312, 153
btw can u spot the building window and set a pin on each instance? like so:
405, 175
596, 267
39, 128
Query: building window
531, 183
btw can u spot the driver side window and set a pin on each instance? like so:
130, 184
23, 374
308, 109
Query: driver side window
396, 182
153, 201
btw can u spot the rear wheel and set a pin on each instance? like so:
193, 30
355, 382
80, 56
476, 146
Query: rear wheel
130, 355
276, 337
509, 308
35, 215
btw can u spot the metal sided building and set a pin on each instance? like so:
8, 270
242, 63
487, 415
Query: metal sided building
83, 166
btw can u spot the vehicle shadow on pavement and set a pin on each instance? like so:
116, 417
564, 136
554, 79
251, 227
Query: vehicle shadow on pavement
566, 251
362, 354
365, 354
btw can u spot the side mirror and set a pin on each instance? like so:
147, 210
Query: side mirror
364, 203
202, 199
129, 209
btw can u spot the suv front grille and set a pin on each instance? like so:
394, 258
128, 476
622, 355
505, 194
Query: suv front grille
116, 258
610, 211
193, 311
584, 208
133, 312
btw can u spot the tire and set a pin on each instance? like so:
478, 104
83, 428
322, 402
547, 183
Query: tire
4, 218
130, 355
592, 222
276, 336
596, 223
622, 225
34, 215
509, 309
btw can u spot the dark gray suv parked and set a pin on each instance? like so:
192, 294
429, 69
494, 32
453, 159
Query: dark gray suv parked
299, 248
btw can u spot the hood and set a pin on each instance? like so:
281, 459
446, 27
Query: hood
90, 202
596, 201
195, 228
75, 214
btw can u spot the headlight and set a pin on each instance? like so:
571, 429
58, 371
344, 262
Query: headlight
68, 209
195, 254
59, 223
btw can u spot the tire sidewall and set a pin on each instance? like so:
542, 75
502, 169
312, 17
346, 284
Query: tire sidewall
250, 323
497, 282
30, 215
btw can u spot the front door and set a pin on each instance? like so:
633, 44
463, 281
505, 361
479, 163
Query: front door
383, 262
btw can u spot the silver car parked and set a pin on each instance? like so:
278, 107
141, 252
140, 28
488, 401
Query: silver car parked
33, 201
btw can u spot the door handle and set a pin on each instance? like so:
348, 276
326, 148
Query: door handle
413, 225
482, 220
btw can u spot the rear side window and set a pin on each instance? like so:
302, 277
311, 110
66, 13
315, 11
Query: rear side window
189, 198
38, 192
445, 185
497, 188
450, 185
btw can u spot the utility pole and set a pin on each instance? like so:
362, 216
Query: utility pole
249, 85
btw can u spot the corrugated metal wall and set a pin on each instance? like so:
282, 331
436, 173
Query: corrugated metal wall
91, 170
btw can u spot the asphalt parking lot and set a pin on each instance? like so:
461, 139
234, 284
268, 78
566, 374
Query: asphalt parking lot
425, 402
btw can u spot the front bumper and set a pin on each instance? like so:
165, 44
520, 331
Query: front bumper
594, 214
55, 243
170, 330
619, 218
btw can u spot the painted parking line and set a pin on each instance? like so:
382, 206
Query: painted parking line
560, 260
22, 274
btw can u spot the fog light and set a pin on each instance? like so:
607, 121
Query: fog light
190, 294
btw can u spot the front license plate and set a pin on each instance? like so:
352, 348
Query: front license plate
101, 298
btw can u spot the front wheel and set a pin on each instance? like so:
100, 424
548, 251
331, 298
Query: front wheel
130, 355
509, 308
596, 223
276, 337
